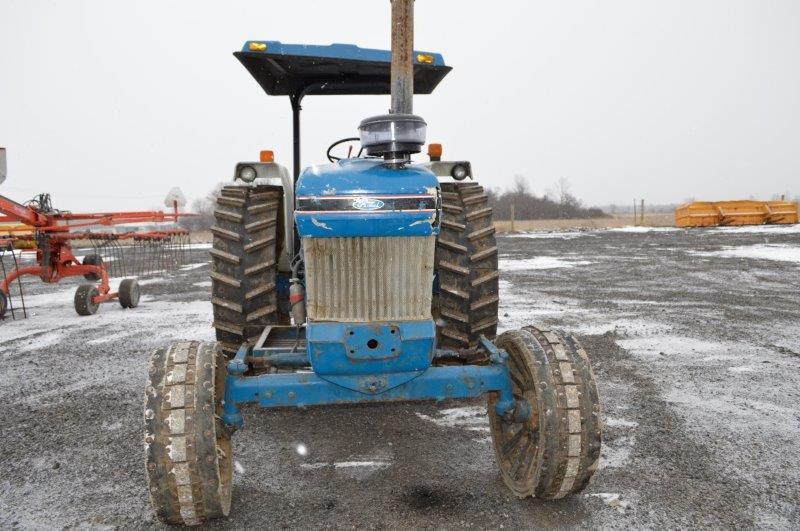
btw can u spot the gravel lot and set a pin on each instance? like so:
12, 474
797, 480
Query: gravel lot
695, 340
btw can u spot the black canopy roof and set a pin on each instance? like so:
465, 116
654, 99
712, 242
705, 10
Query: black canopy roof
306, 75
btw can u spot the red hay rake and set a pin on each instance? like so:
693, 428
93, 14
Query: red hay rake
50, 233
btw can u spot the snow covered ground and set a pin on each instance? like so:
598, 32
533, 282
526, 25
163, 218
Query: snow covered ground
693, 336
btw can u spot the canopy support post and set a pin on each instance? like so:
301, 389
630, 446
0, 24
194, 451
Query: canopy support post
296, 108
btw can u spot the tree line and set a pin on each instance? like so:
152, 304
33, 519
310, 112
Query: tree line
558, 202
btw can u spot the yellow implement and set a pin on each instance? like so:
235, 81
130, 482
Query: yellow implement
711, 213
7, 230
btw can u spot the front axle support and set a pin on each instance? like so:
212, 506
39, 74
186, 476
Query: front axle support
303, 389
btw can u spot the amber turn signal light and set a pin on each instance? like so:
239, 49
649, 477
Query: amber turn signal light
267, 156
435, 151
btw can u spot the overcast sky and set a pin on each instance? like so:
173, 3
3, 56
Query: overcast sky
108, 104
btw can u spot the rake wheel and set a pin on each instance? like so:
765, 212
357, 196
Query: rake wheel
95, 260
129, 293
83, 299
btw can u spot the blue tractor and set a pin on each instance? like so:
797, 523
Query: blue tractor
369, 279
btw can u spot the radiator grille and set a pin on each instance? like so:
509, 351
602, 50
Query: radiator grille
369, 279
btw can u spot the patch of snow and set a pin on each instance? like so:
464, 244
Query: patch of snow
189, 267
373, 463
776, 252
612, 499
674, 345
43, 341
760, 229
616, 453
368, 464
52, 320
314, 466
539, 262
562, 235
156, 280
596, 323
202, 284
637, 229
472, 418
741, 369
110, 338
615, 422
736, 411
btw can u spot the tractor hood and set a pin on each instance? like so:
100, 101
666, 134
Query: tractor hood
363, 197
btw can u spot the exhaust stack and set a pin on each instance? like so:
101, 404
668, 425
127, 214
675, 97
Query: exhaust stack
395, 136
402, 73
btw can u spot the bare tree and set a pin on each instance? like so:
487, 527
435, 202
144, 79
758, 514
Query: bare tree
520, 187
558, 202
204, 208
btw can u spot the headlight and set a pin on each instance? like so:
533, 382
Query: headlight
247, 174
458, 172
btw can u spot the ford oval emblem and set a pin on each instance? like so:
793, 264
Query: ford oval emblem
367, 203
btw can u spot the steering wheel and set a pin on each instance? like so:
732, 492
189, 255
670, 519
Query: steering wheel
334, 158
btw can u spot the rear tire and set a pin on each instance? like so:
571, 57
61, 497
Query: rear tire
92, 259
83, 299
555, 452
129, 293
466, 267
244, 263
187, 448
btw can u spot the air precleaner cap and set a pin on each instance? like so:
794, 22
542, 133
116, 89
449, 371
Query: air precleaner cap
392, 135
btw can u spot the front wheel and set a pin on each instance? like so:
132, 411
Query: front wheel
556, 451
187, 448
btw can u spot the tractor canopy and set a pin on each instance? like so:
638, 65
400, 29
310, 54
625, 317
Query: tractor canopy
298, 70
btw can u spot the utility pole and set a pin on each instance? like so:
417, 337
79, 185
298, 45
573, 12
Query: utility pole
641, 212
635, 217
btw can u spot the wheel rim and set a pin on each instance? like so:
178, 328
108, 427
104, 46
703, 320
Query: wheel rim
93, 306
518, 445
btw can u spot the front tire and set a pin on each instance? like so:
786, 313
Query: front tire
187, 448
555, 452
